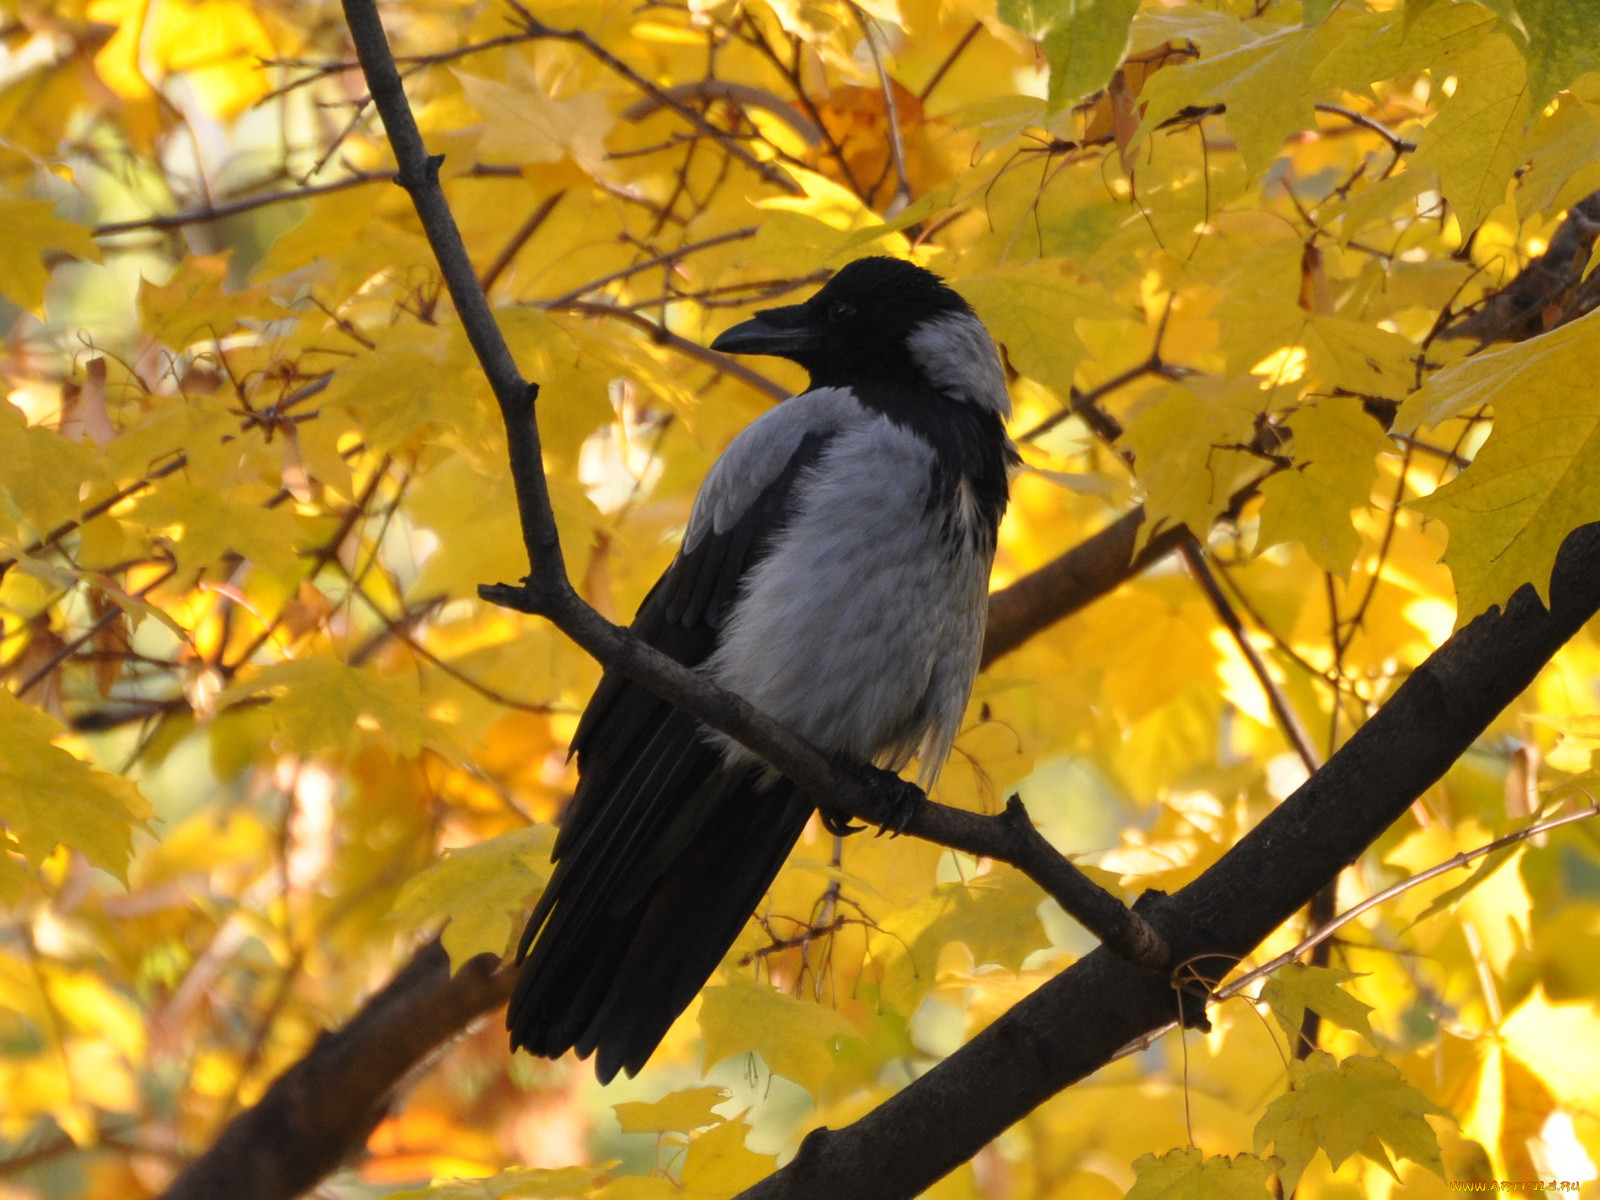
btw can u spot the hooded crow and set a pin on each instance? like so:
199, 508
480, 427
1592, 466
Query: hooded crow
835, 574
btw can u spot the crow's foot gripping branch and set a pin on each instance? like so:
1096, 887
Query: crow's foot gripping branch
894, 802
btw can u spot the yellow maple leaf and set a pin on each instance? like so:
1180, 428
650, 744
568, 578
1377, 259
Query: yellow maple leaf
995, 916
414, 380
196, 305
796, 1037
41, 472
1360, 358
676, 1112
49, 798
1187, 1174
1031, 310
523, 122
1361, 1104
1185, 442
1335, 447
31, 229
318, 704
204, 524
1537, 477
480, 891
719, 1164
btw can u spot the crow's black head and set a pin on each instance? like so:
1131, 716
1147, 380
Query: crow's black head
876, 318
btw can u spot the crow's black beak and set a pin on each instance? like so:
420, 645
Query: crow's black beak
782, 332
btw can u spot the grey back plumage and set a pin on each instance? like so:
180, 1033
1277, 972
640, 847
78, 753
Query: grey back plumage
834, 572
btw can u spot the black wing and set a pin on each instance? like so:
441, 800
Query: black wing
663, 853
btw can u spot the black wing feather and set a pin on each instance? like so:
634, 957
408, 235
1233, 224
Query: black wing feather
663, 852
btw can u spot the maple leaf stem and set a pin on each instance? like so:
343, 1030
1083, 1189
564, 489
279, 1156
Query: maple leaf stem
666, 258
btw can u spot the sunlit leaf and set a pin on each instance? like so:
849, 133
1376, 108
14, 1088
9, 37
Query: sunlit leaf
1187, 1174
49, 798
1340, 1107
796, 1037
479, 891
676, 1112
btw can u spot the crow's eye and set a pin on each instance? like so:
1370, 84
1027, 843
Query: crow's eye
841, 310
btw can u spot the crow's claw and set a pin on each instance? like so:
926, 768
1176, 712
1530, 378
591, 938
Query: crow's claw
838, 823
894, 797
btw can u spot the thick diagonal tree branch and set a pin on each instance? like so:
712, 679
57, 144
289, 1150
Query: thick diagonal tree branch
1065, 584
1077, 1022
322, 1109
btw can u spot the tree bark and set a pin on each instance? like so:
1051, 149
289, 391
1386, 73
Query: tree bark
1076, 1023
320, 1112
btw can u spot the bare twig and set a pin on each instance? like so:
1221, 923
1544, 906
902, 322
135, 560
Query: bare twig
741, 94
891, 113
659, 95
233, 208
519, 239
663, 336
1397, 143
1324, 932
665, 258
1288, 720
949, 61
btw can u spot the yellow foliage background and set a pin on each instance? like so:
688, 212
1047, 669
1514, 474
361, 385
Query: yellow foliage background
260, 739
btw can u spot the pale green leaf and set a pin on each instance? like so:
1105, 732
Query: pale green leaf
479, 892
1563, 43
1187, 1174
1085, 42
1478, 140
1296, 987
676, 1112
1340, 1108
796, 1037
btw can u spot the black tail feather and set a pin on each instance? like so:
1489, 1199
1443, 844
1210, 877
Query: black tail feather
667, 858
